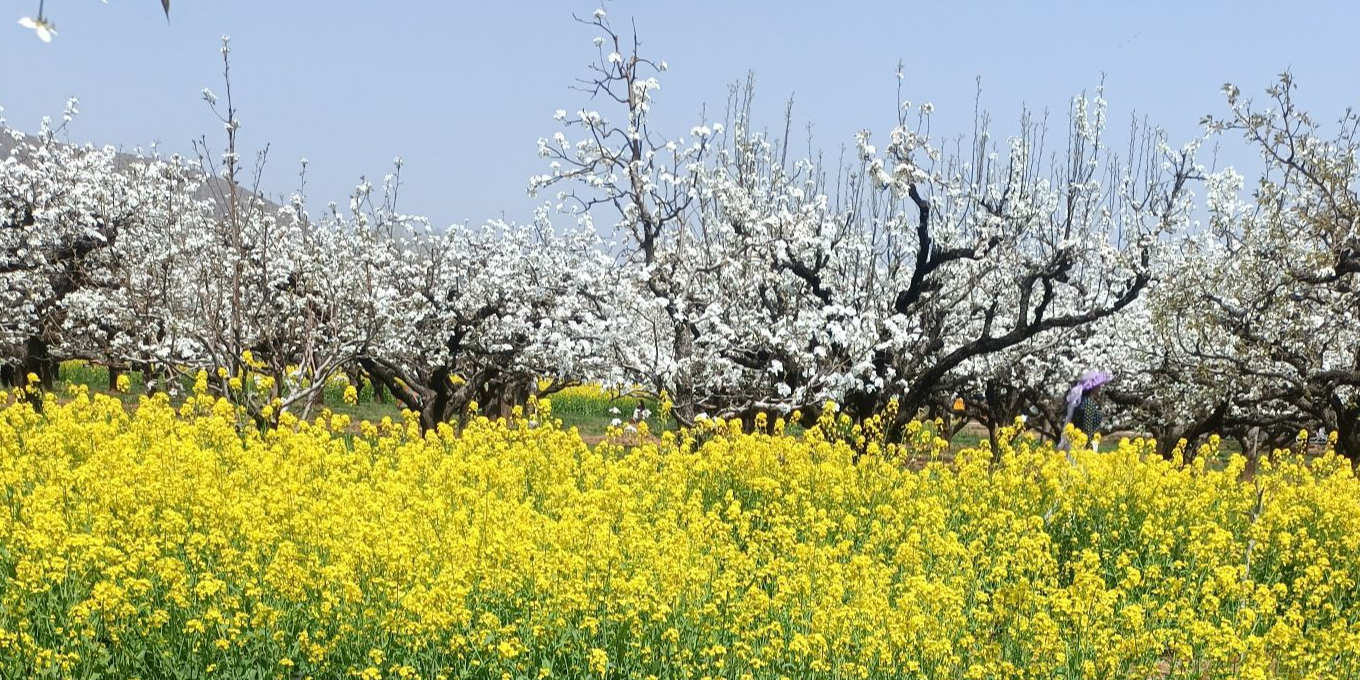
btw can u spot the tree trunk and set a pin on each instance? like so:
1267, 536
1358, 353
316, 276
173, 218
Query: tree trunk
383, 377
39, 362
1348, 433
150, 380
683, 399
436, 409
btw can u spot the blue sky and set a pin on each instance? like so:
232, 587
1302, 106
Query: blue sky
463, 90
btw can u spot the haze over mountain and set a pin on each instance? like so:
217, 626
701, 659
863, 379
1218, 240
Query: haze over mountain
212, 189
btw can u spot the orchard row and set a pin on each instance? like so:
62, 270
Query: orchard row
713, 265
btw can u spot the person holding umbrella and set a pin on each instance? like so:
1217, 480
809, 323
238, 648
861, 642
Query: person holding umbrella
1082, 409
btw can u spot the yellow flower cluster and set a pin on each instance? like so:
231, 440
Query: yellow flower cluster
167, 542
590, 397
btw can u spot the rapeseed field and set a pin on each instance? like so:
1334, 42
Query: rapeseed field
182, 542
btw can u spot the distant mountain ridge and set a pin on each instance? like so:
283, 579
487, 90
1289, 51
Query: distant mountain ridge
211, 189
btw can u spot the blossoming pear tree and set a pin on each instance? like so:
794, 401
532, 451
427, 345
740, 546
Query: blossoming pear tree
491, 317
650, 182
1278, 273
61, 207
780, 296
